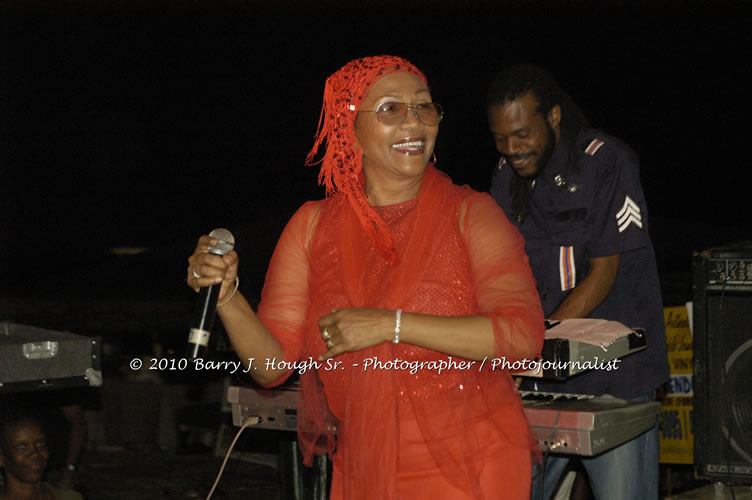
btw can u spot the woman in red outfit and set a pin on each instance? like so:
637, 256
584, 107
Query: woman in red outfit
404, 288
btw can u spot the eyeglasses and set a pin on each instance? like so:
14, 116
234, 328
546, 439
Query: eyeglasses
394, 113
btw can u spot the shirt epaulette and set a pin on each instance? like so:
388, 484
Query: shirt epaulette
593, 147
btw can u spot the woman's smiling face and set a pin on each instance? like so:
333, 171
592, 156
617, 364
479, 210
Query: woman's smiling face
402, 149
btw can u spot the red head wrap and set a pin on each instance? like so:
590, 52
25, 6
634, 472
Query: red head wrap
342, 165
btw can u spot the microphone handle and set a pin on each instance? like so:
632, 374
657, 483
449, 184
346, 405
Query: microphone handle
198, 338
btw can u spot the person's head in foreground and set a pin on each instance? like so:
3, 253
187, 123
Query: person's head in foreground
23, 455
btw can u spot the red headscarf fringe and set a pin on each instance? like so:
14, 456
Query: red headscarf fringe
342, 164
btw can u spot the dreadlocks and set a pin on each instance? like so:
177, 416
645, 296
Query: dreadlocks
515, 82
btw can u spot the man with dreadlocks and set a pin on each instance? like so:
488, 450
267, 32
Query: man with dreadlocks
576, 197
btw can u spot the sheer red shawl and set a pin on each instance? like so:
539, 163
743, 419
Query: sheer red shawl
368, 435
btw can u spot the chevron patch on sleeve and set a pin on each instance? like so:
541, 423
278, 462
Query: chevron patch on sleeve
629, 214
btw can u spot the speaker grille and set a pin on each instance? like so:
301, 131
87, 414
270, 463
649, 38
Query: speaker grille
723, 376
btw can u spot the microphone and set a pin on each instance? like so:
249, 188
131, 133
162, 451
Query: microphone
198, 338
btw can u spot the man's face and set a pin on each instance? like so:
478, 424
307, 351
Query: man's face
523, 135
24, 451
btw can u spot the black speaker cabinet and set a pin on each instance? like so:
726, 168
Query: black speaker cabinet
722, 319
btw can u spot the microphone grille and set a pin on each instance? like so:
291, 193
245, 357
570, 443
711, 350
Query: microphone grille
226, 241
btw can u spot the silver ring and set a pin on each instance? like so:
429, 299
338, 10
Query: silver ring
329, 344
326, 335
195, 274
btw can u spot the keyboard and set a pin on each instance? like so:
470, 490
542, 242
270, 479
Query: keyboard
574, 424
580, 424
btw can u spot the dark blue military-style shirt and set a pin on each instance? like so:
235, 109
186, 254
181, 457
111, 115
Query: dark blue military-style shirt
595, 210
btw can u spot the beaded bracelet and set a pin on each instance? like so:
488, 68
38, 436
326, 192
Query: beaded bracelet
398, 322
228, 299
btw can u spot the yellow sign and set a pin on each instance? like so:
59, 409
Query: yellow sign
676, 428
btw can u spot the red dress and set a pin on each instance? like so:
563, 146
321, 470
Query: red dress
405, 429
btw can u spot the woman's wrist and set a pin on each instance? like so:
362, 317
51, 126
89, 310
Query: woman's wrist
231, 295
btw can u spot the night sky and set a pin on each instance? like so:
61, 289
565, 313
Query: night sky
147, 127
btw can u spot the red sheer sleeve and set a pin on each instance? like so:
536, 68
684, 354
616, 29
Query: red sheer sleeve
504, 283
286, 296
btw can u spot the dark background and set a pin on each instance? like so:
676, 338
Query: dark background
147, 126
143, 123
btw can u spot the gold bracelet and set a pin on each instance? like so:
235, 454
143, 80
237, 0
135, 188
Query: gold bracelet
228, 299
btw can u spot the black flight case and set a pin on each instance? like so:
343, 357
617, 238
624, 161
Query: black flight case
33, 359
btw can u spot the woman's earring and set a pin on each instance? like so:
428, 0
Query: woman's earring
433, 159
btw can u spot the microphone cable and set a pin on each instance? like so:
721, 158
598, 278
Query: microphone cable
251, 420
